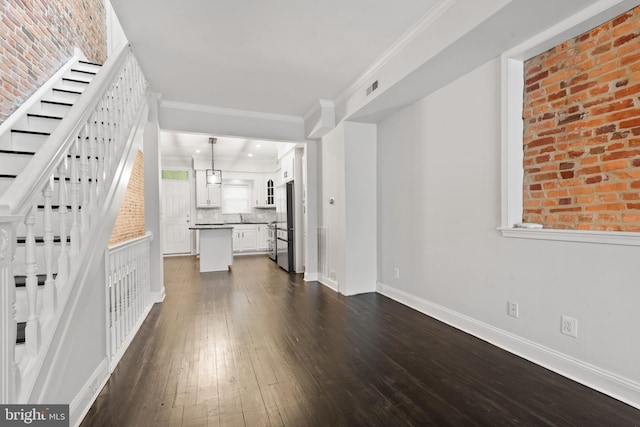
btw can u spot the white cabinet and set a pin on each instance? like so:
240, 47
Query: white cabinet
264, 190
287, 167
250, 238
262, 237
245, 238
206, 197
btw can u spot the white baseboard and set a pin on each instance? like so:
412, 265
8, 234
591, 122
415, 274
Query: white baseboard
311, 277
158, 297
331, 284
592, 376
89, 393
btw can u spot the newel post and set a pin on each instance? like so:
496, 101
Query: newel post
9, 374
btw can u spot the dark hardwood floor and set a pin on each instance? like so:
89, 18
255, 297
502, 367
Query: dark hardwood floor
259, 347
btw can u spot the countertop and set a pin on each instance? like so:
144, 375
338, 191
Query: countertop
234, 223
210, 226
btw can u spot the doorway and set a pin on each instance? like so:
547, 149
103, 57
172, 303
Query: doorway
175, 212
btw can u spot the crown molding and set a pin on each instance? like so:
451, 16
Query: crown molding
321, 103
409, 36
230, 112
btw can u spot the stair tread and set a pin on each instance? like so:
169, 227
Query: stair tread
20, 336
44, 116
21, 280
67, 104
40, 239
30, 132
25, 153
41, 207
67, 79
90, 63
84, 72
74, 92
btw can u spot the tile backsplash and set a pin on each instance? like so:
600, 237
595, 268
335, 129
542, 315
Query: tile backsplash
211, 216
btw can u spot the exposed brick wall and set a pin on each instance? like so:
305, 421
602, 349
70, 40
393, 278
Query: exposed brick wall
38, 36
582, 130
130, 221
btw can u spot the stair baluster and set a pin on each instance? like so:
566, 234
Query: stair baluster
32, 331
84, 180
111, 282
50, 296
63, 256
74, 179
118, 280
93, 171
102, 179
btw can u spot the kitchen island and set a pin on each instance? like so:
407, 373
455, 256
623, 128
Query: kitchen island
216, 247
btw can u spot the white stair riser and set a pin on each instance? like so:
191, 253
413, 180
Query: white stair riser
40, 124
60, 96
13, 164
86, 67
22, 303
27, 142
4, 184
21, 229
79, 75
19, 267
74, 86
51, 109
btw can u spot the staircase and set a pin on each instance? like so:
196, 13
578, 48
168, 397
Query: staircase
65, 158
30, 130
18, 146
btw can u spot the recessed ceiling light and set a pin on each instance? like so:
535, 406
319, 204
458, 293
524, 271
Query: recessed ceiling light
250, 155
257, 145
197, 151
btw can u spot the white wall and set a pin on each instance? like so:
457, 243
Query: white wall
115, 33
438, 209
348, 174
331, 185
360, 202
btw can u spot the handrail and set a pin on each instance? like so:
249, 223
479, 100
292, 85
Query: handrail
46, 159
123, 245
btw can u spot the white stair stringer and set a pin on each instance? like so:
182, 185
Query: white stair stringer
61, 343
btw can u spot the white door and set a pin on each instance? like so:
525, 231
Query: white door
176, 196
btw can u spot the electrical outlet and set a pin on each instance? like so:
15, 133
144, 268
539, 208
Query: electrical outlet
396, 272
569, 326
512, 309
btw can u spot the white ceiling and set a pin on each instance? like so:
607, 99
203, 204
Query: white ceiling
277, 56
176, 144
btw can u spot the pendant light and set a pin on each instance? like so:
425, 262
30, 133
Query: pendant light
214, 176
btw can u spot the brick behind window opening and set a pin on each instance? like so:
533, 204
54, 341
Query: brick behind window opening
130, 221
582, 130
38, 37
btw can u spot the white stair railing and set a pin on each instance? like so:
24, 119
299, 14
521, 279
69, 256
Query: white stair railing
72, 172
128, 293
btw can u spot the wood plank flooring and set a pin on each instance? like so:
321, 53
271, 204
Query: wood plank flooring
259, 347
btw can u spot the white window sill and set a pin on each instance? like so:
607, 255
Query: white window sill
581, 236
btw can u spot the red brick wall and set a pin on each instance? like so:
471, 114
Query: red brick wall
130, 221
582, 130
38, 36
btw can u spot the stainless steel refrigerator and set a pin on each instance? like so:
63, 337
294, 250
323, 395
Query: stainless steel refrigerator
285, 227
